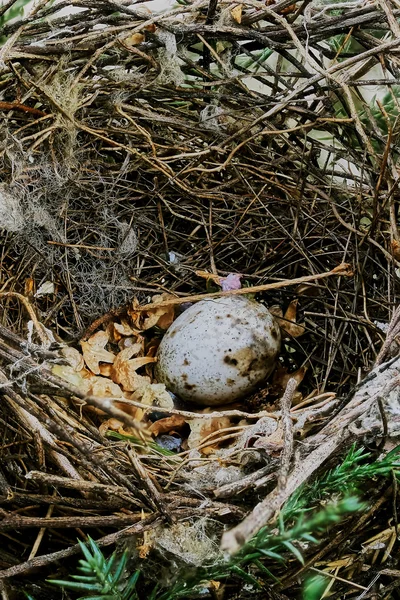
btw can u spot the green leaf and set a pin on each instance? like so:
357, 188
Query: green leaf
294, 551
75, 585
314, 587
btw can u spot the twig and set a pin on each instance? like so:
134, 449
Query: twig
287, 424
333, 435
341, 270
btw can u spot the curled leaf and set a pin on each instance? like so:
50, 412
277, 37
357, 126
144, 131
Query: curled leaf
288, 321
124, 368
162, 316
172, 423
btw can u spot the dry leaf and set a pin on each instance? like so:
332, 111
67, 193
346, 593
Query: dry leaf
102, 387
125, 329
112, 424
396, 249
236, 13
162, 317
74, 358
105, 370
168, 424
94, 351
70, 375
124, 369
134, 39
156, 395
29, 286
46, 288
201, 428
288, 322
281, 377
307, 289
271, 443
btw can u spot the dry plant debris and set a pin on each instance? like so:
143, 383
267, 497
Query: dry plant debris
151, 159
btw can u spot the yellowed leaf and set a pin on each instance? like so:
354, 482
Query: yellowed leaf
236, 13
73, 377
134, 39
94, 351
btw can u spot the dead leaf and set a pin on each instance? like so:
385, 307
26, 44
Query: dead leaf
162, 317
72, 376
174, 422
112, 424
105, 370
102, 387
288, 321
134, 39
94, 351
29, 286
272, 443
125, 329
396, 249
307, 289
281, 377
74, 358
201, 428
156, 394
236, 13
124, 369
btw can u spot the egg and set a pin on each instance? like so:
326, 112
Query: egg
218, 350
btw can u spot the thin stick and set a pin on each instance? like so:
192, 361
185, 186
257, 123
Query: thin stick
343, 269
287, 425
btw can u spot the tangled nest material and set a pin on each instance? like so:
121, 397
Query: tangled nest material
140, 148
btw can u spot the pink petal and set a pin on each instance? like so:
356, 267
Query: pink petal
231, 282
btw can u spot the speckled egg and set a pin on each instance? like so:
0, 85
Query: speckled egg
218, 350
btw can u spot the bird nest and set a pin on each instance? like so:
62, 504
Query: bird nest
144, 157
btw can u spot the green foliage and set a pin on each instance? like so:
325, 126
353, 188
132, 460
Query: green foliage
137, 442
345, 478
16, 10
301, 521
101, 578
314, 587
